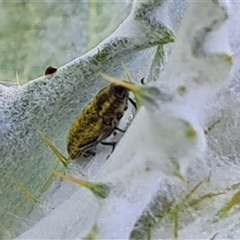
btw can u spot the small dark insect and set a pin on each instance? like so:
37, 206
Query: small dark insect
97, 121
50, 70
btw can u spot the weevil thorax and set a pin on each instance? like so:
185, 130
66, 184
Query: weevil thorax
110, 104
116, 102
118, 91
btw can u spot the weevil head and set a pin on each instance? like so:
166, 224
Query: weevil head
147, 95
118, 91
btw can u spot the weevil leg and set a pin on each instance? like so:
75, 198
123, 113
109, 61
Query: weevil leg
88, 153
88, 149
119, 129
133, 103
106, 133
113, 144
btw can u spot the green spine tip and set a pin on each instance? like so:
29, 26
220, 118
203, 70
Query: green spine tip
143, 94
171, 37
214, 236
190, 130
28, 193
59, 155
181, 90
93, 233
180, 176
197, 201
228, 58
50, 178
147, 95
100, 189
228, 206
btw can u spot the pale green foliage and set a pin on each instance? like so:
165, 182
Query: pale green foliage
36, 34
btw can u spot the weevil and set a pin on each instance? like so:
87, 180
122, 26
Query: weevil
97, 121
101, 117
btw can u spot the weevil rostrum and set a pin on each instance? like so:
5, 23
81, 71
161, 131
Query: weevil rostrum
97, 121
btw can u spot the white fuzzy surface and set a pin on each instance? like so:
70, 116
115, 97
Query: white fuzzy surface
156, 143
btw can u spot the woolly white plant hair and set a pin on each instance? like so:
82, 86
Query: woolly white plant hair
159, 143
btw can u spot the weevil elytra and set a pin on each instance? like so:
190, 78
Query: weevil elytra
97, 121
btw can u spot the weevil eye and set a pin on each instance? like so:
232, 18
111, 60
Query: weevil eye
118, 91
